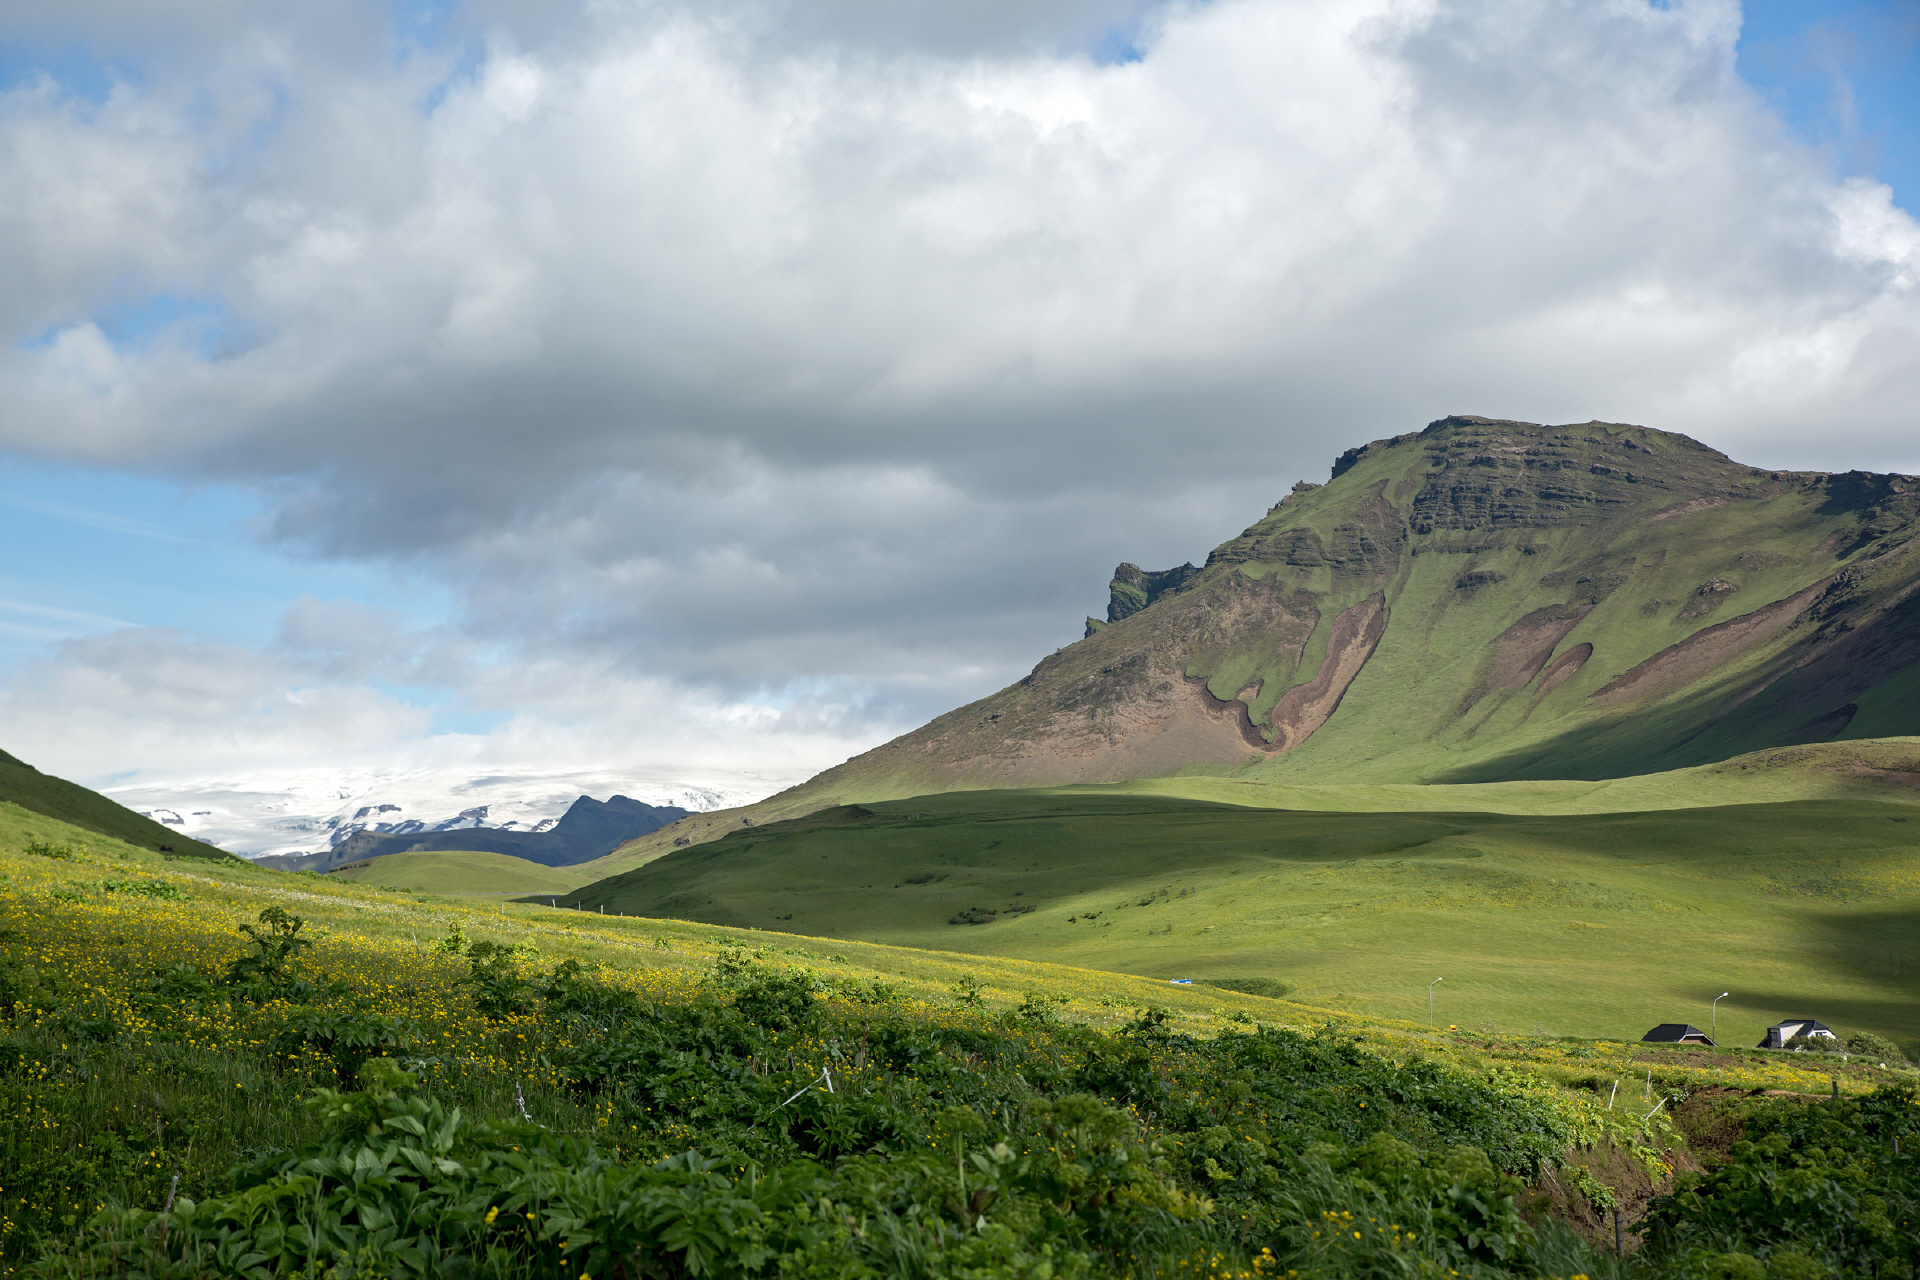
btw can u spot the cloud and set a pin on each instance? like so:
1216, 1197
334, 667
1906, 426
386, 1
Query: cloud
147, 708
826, 357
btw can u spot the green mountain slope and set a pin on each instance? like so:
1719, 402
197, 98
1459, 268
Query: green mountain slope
1481, 601
26, 786
1584, 923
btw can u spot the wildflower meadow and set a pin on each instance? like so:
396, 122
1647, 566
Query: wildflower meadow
209, 1069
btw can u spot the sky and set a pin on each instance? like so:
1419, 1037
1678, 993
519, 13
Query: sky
705, 393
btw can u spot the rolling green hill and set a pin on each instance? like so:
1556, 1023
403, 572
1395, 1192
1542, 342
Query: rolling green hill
465, 871
1595, 923
26, 786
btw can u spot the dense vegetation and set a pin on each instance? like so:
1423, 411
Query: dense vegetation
535, 1120
1809, 1192
762, 1122
226, 1071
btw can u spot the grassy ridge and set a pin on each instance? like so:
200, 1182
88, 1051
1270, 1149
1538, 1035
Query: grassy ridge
1877, 771
1589, 924
23, 785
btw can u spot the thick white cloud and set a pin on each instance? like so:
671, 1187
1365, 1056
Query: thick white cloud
722, 351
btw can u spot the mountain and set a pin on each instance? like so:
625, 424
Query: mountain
588, 829
26, 786
297, 811
1480, 600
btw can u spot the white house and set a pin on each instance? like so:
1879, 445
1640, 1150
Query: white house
1781, 1032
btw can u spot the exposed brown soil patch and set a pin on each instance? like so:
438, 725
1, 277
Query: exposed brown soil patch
1686, 509
1304, 708
1523, 648
1563, 668
1710, 1123
1177, 723
1633, 1189
1859, 642
1704, 651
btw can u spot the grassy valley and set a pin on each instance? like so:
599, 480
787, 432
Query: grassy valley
1591, 909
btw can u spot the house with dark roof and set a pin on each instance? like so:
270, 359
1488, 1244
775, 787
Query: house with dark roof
1677, 1033
1787, 1029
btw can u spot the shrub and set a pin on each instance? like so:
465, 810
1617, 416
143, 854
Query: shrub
1868, 1045
270, 963
62, 852
775, 1001
499, 988
1814, 1189
571, 992
1038, 1009
347, 1035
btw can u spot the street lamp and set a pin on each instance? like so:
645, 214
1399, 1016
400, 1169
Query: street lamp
1430, 1002
1713, 1020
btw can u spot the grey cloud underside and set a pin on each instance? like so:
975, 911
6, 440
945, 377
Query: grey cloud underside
850, 345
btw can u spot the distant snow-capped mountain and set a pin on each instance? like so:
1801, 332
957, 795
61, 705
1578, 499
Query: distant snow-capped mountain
258, 814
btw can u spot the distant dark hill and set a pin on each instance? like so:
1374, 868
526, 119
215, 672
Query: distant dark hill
589, 829
26, 786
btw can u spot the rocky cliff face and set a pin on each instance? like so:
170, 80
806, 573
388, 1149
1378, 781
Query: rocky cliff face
1483, 599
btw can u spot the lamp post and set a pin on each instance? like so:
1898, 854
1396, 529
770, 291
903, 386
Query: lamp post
1430, 1002
1713, 1018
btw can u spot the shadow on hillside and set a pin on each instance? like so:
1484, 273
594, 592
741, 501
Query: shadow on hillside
1795, 709
1881, 948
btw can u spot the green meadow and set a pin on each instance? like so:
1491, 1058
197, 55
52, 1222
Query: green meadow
461, 872
212, 1068
1568, 923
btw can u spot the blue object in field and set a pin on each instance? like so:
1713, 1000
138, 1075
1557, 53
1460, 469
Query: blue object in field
1181, 982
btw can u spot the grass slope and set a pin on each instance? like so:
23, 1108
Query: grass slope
460, 872
1881, 770
26, 786
1591, 924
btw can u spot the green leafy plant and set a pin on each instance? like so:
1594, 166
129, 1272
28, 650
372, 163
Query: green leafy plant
1833, 1187
275, 950
347, 1035
499, 988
